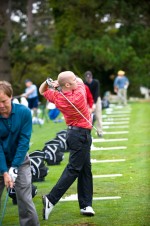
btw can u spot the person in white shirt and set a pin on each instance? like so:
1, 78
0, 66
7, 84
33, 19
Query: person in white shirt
31, 93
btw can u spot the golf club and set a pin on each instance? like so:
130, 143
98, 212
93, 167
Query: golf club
4, 207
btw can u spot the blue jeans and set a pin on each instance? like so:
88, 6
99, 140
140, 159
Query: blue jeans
79, 167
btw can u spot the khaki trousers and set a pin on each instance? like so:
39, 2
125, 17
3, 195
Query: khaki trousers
122, 96
98, 114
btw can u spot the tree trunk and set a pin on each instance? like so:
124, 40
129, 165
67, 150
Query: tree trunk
30, 17
4, 40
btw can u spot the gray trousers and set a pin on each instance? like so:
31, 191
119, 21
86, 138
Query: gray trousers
26, 208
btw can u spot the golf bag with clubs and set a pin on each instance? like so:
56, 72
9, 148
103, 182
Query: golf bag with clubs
61, 136
38, 168
12, 194
53, 152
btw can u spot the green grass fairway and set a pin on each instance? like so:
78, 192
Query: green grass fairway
133, 208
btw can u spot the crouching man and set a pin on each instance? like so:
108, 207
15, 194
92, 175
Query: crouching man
15, 133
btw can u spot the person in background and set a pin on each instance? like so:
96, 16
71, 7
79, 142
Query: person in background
78, 141
31, 93
90, 100
94, 87
15, 170
121, 84
53, 112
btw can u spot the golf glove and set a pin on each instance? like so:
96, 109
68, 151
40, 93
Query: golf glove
13, 173
48, 81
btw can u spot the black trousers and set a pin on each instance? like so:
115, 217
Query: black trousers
79, 167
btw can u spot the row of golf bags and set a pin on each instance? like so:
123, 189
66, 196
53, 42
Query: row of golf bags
51, 154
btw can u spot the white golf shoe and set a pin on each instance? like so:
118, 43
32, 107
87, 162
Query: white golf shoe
47, 207
88, 211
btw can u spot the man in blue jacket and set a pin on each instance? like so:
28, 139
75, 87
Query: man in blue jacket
15, 133
121, 84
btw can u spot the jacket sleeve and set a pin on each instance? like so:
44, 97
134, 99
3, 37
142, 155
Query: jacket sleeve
23, 139
90, 100
3, 165
49, 95
96, 93
116, 82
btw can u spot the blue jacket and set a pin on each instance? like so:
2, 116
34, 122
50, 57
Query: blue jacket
120, 82
15, 133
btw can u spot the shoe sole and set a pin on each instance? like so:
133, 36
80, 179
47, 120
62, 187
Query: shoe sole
88, 214
44, 204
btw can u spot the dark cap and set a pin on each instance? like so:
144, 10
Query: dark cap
27, 80
88, 74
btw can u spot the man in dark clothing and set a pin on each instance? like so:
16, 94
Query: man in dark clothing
94, 87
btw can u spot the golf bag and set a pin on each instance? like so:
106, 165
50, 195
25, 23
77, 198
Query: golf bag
52, 151
53, 113
38, 168
61, 136
105, 103
12, 194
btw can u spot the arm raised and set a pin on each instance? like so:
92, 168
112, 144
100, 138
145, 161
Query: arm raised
43, 87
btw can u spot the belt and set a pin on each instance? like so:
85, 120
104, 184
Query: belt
79, 128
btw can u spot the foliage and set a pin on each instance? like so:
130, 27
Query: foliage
101, 36
87, 32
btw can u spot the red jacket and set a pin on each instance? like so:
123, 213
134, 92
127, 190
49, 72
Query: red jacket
90, 100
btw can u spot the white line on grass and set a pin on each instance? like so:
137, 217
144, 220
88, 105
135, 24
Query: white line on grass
115, 127
117, 132
120, 107
115, 119
74, 197
107, 175
112, 123
107, 148
102, 140
115, 116
107, 160
107, 198
117, 112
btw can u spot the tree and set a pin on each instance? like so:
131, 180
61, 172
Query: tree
30, 17
104, 36
101, 36
5, 34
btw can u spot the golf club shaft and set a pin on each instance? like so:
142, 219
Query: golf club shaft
4, 208
77, 110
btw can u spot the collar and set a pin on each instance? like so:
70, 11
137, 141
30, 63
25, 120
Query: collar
13, 108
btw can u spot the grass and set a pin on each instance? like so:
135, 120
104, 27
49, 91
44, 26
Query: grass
134, 186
